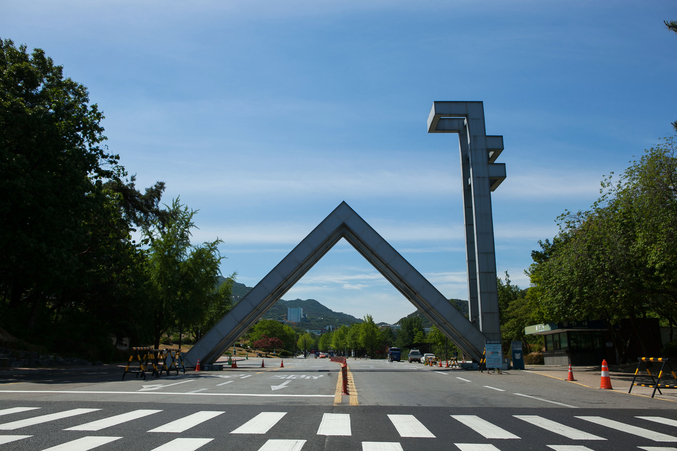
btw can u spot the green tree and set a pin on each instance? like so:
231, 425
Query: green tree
410, 333
275, 329
339, 339
305, 343
353, 338
324, 343
370, 336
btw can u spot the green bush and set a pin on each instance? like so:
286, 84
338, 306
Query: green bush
165, 341
285, 353
534, 358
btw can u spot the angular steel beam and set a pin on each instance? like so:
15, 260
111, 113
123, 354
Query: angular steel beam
343, 222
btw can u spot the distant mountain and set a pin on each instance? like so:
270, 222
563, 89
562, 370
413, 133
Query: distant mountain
318, 316
460, 304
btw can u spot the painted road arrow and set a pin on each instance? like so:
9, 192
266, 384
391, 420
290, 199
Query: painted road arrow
159, 386
282, 385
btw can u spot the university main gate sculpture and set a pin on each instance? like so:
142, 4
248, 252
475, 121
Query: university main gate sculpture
480, 176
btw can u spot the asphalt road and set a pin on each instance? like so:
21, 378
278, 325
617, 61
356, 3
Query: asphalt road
391, 406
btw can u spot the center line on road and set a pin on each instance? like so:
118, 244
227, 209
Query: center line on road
493, 388
464, 380
224, 383
545, 400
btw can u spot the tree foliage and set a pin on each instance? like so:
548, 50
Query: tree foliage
618, 259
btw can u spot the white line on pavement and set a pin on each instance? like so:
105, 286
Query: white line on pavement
661, 420
381, 446
574, 448
260, 424
113, 421
335, 424
43, 419
184, 444
476, 447
185, 423
16, 410
283, 445
159, 386
634, 430
94, 392
12, 438
464, 380
224, 383
409, 426
545, 400
558, 428
493, 388
483, 427
83, 444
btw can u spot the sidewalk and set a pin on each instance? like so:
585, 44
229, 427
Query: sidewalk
621, 378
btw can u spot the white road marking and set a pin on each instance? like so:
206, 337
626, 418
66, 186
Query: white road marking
381, 446
657, 448
185, 423
493, 388
224, 383
113, 421
97, 392
569, 448
464, 380
184, 444
335, 424
278, 387
260, 424
12, 438
16, 410
442, 373
475, 447
159, 386
409, 426
661, 420
245, 376
483, 427
634, 430
558, 428
83, 444
545, 400
198, 390
283, 445
43, 419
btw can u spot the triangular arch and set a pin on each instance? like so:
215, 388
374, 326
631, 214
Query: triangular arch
343, 222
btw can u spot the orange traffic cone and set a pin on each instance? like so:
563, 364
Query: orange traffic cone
571, 374
440, 364
447, 364
234, 365
606, 380
197, 367
262, 364
281, 363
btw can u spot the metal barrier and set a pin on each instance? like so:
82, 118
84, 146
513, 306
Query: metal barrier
656, 382
151, 358
175, 361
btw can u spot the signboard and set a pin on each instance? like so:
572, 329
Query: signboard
493, 354
517, 355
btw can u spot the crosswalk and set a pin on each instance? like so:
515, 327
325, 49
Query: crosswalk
476, 430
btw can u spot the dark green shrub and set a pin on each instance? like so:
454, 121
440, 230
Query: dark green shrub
165, 341
285, 353
534, 358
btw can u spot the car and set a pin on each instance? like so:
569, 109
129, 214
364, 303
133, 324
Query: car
429, 357
323, 355
415, 356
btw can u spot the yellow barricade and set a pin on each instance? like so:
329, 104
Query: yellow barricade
656, 381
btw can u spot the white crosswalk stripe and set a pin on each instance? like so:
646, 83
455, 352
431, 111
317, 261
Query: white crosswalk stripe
661, 420
409, 426
558, 428
184, 444
381, 446
260, 424
83, 444
44, 419
335, 424
657, 448
569, 448
185, 423
16, 410
12, 438
476, 447
283, 445
113, 421
630, 429
483, 427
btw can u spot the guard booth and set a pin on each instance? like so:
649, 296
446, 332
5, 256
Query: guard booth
584, 343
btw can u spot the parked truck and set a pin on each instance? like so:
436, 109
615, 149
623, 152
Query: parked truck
394, 354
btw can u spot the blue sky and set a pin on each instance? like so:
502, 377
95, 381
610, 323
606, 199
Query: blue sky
265, 115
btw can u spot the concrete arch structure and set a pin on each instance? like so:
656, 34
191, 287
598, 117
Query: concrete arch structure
343, 222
